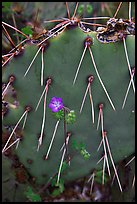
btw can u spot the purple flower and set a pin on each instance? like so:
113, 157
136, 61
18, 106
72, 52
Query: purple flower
56, 104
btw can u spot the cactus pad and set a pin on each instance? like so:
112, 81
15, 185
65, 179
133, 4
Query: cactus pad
61, 59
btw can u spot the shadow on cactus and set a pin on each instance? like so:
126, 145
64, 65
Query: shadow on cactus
68, 96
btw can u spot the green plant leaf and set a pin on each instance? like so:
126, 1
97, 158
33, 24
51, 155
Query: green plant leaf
56, 192
85, 153
89, 9
6, 6
75, 145
80, 9
54, 181
27, 30
64, 166
31, 195
58, 115
98, 177
59, 187
81, 148
71, 117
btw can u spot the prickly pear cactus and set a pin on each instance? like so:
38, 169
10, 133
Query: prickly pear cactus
67, 88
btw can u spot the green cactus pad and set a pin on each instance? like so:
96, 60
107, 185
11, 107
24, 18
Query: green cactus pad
61, 59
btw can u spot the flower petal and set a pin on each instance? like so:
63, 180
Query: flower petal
56, 104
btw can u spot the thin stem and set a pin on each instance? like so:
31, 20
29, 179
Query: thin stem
36, 18
15, 25
106, 6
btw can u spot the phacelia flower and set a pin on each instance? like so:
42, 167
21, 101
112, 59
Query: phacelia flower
56, 104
